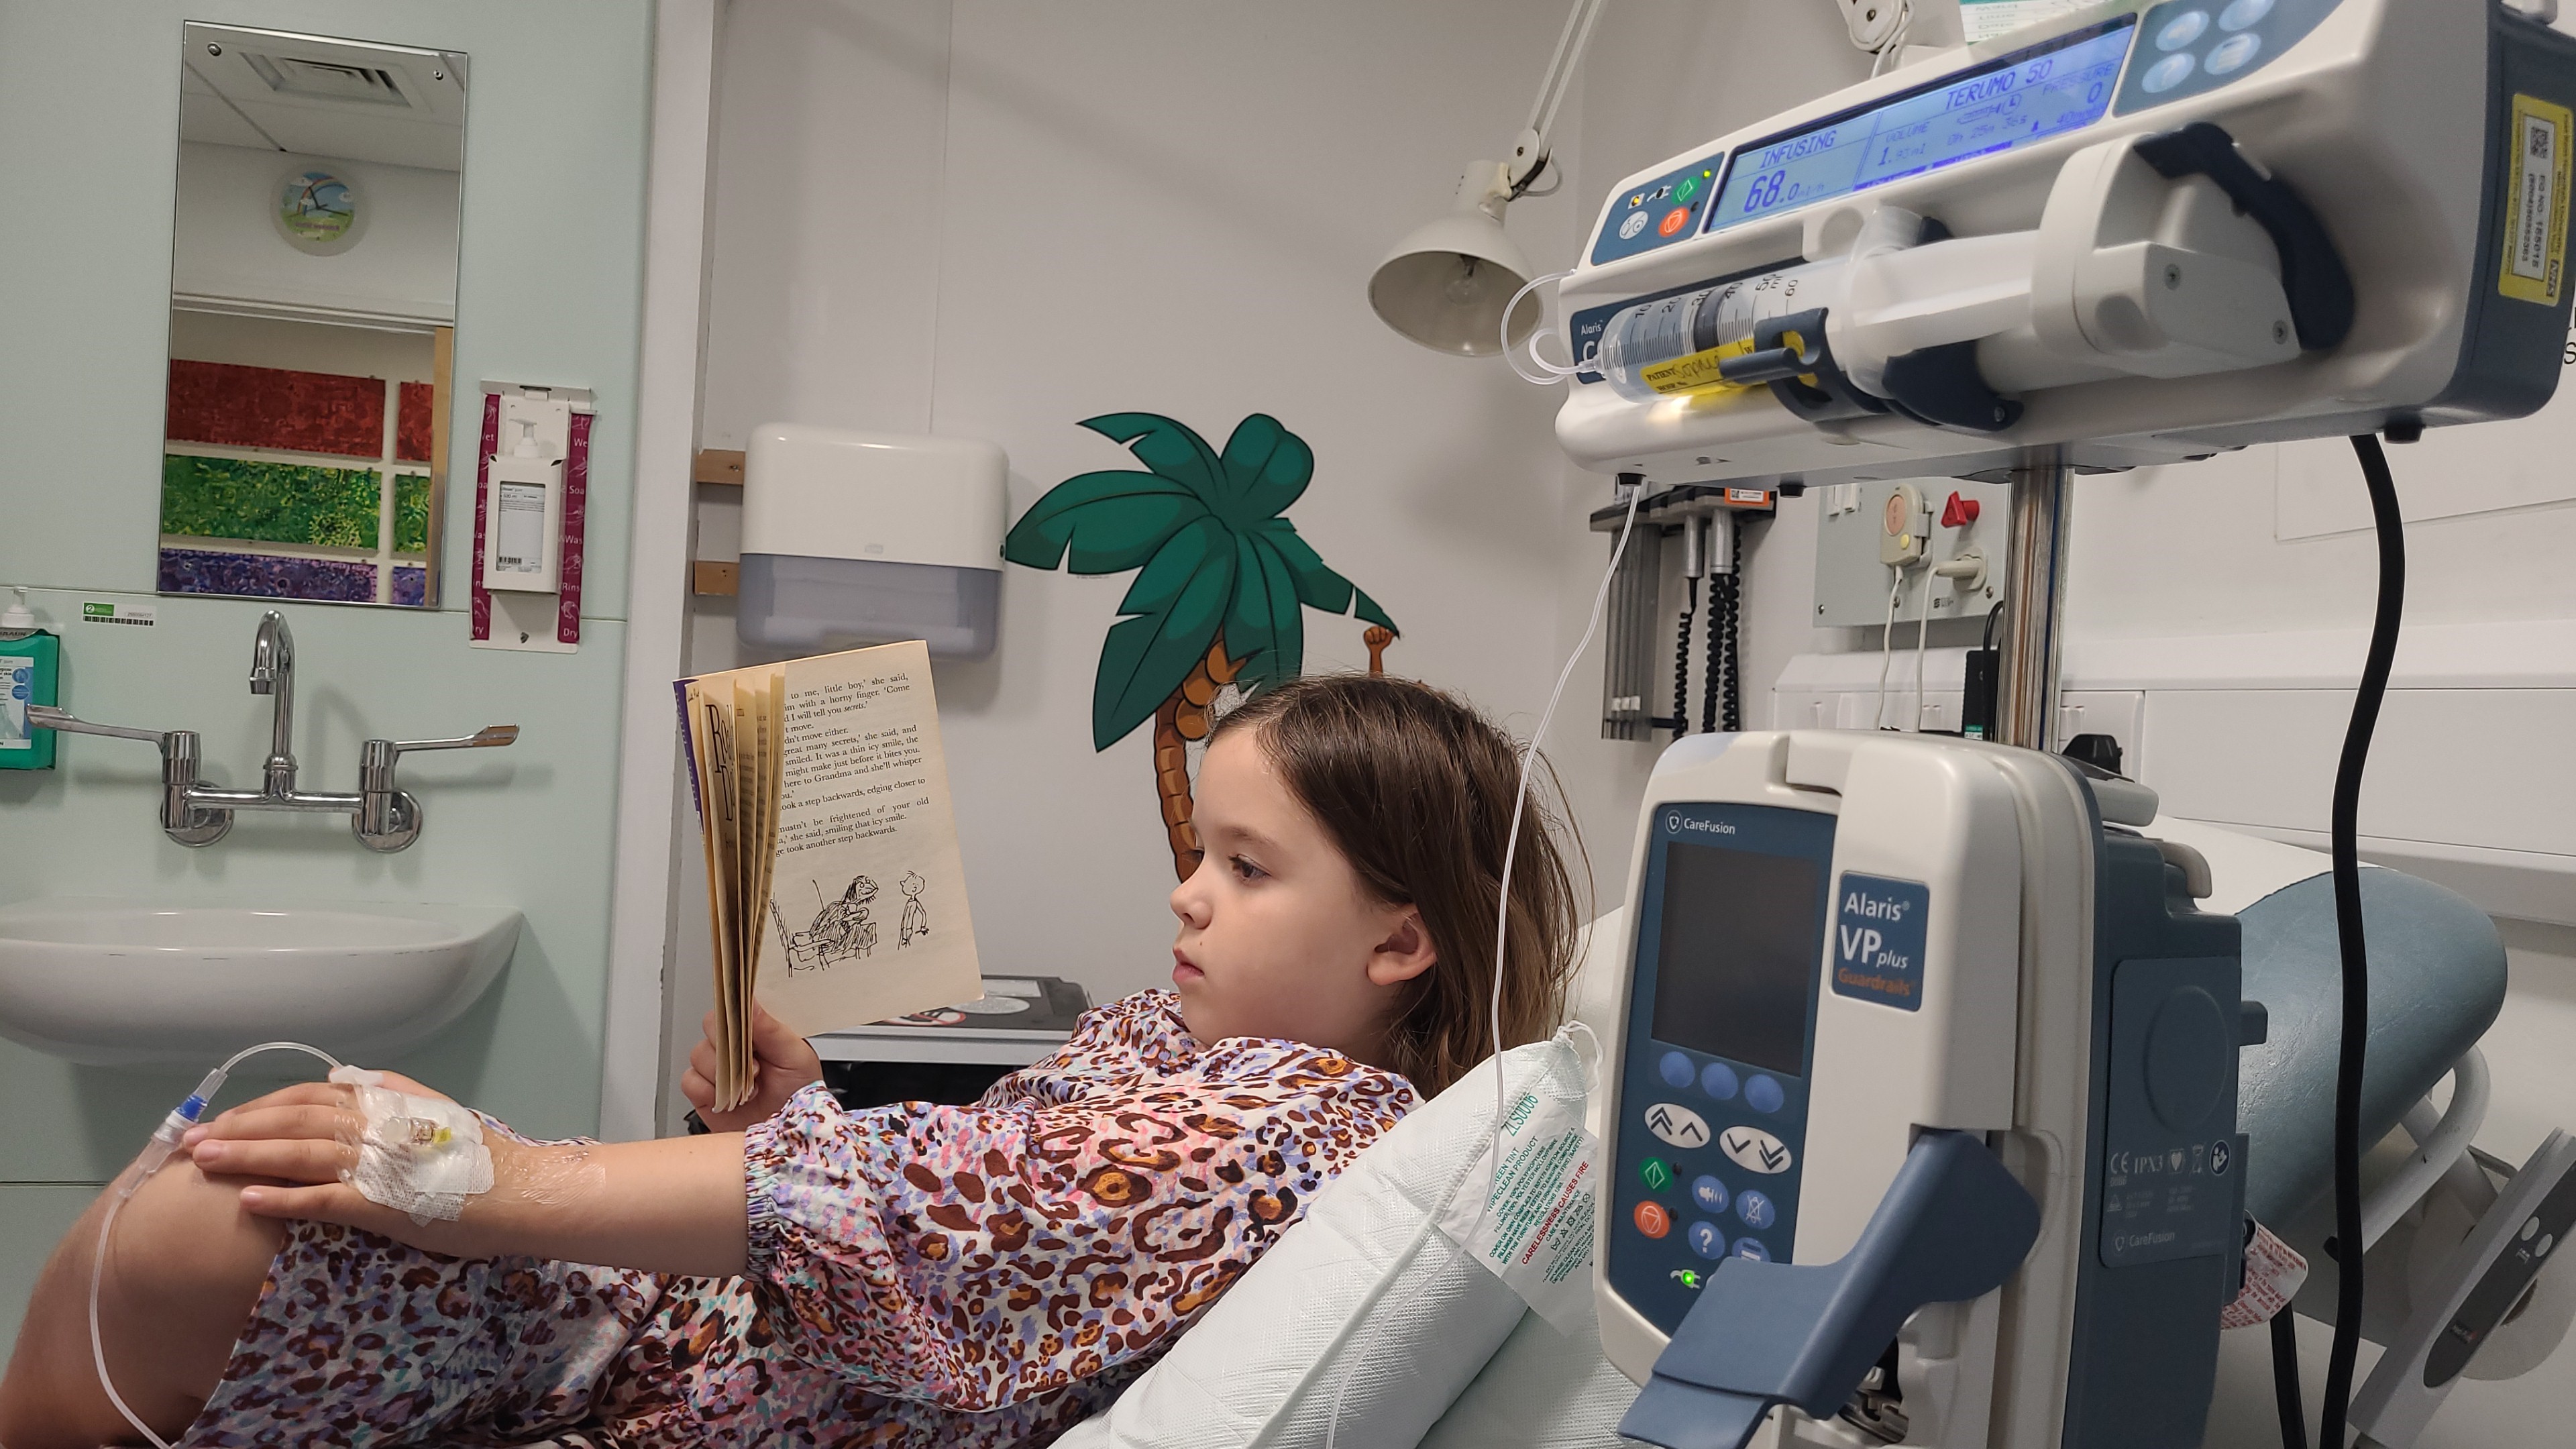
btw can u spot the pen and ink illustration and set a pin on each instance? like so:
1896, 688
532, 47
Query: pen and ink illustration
842, 929
916, 916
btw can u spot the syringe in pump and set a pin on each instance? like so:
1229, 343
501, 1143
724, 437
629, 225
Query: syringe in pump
1827, 331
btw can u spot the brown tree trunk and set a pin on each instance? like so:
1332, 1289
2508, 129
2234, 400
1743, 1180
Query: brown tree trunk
1183, 718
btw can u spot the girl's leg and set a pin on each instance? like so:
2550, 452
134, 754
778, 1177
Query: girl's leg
184, 1269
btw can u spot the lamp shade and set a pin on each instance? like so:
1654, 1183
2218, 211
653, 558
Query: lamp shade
1445, 286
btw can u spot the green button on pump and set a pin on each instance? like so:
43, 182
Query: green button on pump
1688, 189
1657, 1172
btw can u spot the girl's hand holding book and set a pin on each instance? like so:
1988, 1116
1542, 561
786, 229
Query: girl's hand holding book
786, 1065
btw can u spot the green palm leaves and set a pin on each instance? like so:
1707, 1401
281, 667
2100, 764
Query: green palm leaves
1212, 551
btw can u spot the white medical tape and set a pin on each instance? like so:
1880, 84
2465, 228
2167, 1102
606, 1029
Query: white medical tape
423, 1156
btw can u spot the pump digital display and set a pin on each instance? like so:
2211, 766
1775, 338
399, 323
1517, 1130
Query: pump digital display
1739, 949
2028, 96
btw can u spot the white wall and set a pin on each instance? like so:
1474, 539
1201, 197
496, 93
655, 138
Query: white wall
229, 247
996, 219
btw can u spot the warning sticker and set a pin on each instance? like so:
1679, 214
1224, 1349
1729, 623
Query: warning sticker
2535, 240
1535, 1231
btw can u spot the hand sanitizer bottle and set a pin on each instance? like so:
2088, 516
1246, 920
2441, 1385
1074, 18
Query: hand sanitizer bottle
30, 673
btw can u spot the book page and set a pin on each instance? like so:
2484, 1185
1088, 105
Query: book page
768, 720
752, 797
866, 914
709, 712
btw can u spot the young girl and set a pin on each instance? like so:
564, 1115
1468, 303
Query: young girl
912, 1274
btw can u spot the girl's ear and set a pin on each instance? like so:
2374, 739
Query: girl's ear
1404, 954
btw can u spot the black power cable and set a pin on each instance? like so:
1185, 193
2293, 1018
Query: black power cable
1681, 662
2285, 1379
2348, 1246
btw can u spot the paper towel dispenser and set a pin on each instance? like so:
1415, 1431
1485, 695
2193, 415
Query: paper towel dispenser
867, 538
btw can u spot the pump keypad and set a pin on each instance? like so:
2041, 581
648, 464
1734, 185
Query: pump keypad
1663, 210
1712, 1113
2194, 46
1713, 1176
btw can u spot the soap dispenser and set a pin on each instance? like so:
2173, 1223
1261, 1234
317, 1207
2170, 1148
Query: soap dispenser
30, 670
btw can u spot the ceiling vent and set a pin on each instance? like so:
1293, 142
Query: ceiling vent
332, 81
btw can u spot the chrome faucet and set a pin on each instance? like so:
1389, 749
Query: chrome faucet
272, 672
384, 817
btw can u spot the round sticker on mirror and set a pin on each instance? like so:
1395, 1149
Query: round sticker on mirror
318, 212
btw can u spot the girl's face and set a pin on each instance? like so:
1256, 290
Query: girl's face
1278, 937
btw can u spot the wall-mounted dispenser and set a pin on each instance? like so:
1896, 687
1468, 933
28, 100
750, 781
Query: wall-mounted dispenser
31, 662
532, 482
867, 538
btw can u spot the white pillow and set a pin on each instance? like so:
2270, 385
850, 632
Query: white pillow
1541, 1390
1365, 1299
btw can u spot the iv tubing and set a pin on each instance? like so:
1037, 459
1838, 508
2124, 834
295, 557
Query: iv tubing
165, 1141
1553, 373
1886, 636
1520, 804
1922, 629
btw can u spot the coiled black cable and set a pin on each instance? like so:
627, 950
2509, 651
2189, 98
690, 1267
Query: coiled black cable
2390, 528
1730, 617
1714, 677
1681, 662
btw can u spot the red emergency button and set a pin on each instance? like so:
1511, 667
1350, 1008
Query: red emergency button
1674, 220
1652, 1220
1959, 512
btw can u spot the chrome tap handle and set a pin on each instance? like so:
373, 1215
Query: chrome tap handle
47, 717
181, 818
488, 737
376, 757
388, 819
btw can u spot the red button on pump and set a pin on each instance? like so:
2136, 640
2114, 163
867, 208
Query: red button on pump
1652, 1220
1674, 220
1959, 512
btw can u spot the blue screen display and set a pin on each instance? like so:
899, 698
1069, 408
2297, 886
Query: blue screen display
2024, 98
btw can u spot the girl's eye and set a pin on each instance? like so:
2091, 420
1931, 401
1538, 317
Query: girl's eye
1246, 869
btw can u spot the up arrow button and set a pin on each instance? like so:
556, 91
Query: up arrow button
1677, 1125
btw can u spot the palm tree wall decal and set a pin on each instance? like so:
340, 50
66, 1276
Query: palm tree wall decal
1221, 578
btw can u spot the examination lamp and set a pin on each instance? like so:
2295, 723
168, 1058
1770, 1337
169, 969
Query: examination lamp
1446, 285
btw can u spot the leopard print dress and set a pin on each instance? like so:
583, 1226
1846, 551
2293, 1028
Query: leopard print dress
918, 1275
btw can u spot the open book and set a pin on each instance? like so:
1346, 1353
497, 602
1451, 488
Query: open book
833, 884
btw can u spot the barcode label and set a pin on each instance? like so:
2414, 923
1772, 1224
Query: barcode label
2535, 243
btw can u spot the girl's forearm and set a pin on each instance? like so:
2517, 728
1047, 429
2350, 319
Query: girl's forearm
669, 1206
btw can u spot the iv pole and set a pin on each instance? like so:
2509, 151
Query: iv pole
2034, 604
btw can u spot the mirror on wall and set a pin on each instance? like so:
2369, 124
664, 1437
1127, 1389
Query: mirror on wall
312, 317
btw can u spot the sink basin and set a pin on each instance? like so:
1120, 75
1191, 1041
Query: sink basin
111, 982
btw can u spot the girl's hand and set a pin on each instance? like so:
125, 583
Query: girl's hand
785, 1064
300, 1139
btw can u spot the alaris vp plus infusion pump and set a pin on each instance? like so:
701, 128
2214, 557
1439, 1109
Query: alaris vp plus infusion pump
1928, 1086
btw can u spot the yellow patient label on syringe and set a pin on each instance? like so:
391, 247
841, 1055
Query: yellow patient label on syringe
1697, 372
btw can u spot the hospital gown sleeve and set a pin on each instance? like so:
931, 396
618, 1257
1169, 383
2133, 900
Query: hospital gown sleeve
978, 1256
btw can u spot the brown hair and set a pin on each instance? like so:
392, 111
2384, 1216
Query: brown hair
1416, 789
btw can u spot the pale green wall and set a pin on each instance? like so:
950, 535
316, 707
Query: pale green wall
551, 266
